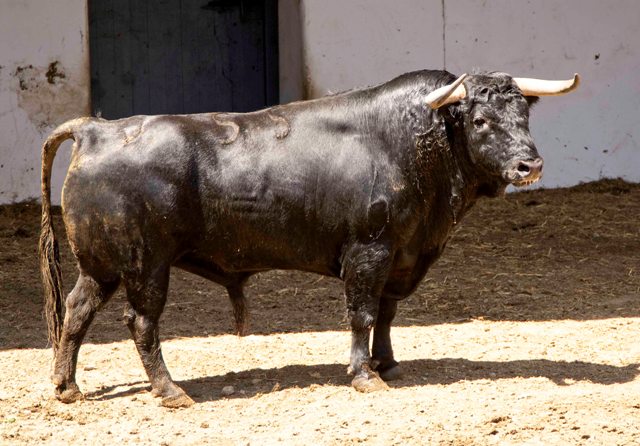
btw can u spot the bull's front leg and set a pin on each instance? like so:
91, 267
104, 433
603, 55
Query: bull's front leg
365, 272
383, 360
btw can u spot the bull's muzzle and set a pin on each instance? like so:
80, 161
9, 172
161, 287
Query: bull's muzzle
525, 172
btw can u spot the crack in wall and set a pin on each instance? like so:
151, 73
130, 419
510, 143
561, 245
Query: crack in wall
444, 40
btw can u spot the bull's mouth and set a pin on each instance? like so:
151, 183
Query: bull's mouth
518, 179
524, 172
525, 181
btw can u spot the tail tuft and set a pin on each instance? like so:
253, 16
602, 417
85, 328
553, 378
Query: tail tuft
51, 280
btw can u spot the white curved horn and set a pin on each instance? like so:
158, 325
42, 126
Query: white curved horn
540, 87
448, 94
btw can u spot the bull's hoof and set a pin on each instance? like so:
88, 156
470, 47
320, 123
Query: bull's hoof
69, 395
177, 401
391, 374
369, 382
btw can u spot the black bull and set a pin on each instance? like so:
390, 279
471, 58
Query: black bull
365, 186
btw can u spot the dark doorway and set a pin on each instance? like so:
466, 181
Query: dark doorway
182, 56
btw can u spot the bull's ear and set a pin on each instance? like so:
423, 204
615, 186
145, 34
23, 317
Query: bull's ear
452, 113
532, 100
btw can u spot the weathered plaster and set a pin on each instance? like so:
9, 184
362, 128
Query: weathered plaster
44, 80
46, 94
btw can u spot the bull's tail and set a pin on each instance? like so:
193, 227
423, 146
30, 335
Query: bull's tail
48, 246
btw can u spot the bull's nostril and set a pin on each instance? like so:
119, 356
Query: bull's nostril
526, 171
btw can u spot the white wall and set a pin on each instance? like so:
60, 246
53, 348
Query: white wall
34, 35
290, 50
333, 45
354, 43
589, 134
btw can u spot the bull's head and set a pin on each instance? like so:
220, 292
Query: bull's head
493, 110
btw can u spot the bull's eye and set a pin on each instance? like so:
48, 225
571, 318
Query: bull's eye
479, 123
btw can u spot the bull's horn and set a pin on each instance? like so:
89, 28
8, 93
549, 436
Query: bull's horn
540, 87
448, 94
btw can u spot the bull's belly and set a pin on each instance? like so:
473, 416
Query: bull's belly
270, 232
224, 275
262, 254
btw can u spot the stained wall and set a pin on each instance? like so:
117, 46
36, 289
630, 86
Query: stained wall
333, 45
44, 80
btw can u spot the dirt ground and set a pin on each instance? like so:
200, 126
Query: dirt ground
525, 332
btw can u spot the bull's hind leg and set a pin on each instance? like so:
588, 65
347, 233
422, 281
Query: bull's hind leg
366, 270
383, 361
81, 306
146, 303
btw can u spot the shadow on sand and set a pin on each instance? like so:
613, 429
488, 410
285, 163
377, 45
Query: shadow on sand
418, 372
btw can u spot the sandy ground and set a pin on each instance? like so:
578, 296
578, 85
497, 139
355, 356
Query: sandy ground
525, 332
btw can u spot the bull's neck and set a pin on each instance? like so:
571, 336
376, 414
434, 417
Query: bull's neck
437, 164
445, 170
